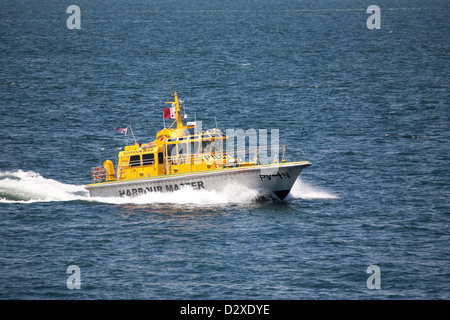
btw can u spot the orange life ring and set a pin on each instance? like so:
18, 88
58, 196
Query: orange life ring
102, 173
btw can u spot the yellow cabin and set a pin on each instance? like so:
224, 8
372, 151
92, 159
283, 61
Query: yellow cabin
175, 151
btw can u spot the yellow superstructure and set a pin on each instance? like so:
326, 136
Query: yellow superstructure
175, 150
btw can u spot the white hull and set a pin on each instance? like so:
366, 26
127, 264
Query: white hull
275, 180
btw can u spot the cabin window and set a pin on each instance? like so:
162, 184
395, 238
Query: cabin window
148, 159
160, 158
135, 161
194, 147
216, 145
206, 144
224, 145
182, 149
171, 151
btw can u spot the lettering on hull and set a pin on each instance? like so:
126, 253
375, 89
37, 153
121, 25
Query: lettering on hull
278, 175
134, 192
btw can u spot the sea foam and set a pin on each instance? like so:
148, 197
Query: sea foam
29, 187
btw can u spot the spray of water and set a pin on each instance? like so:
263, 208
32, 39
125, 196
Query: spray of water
29, 187
304, 190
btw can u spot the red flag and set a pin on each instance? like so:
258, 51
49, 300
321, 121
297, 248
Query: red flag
166, 113
169, 113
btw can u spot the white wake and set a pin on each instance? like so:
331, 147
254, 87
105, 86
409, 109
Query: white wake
30, 187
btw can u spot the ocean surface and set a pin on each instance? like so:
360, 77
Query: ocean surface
369, 108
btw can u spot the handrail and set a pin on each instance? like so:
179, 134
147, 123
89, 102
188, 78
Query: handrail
246, 156
257, 155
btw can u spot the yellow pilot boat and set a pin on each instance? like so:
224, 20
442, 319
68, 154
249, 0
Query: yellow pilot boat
186, 157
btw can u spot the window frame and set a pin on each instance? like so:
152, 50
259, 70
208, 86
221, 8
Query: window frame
150, 161
134, 163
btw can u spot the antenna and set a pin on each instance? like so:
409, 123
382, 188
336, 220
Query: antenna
100, 155
164, 120
129, 126
170, 85
215, 118
184, 108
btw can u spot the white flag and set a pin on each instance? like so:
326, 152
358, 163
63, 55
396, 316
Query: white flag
173, 113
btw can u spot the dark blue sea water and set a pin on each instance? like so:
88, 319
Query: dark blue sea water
368, 108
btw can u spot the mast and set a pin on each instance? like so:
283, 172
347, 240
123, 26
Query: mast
178, 113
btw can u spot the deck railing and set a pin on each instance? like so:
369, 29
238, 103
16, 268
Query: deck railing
259, 155
246, 156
